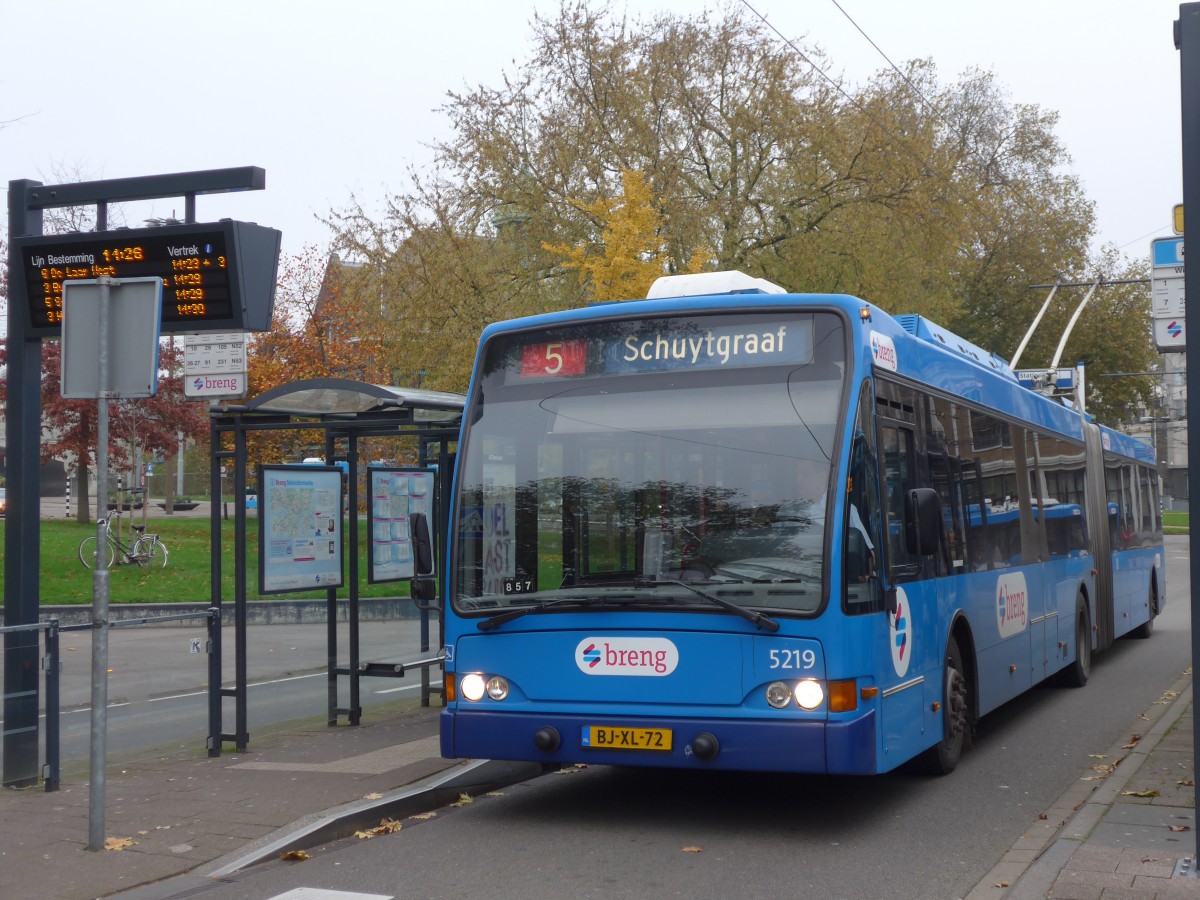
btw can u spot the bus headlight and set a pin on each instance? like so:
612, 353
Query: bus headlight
809, 694
779, 695
472, 686
497, 688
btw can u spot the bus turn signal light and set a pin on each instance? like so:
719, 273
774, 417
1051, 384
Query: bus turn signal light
843, 696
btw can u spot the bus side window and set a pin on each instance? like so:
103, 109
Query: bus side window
899, 478
862, 590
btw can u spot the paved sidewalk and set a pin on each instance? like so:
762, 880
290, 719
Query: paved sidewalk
181, 810
1126, 829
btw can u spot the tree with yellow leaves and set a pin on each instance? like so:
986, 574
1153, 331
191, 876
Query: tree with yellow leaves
628, 257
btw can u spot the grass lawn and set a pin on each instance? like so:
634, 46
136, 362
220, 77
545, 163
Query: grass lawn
1175, 521
187, 575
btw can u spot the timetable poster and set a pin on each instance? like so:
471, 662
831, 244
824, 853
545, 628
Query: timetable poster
396, 495
300, 521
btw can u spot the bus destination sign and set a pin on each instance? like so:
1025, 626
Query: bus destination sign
216, 277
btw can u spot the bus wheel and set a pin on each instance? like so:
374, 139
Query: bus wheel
942, 757
1077, 674
1146, 629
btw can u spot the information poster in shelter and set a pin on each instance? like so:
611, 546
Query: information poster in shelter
300, 537
396, 495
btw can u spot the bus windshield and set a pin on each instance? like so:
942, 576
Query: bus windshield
604, 463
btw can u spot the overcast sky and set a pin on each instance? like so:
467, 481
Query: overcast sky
337, 98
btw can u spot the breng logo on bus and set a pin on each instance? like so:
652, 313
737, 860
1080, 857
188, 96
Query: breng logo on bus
653, 657
884, 351
1012, 604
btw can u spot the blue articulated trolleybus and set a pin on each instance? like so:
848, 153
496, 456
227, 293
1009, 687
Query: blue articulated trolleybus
729, 527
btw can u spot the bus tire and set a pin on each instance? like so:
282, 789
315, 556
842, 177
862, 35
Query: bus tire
943, 757
1078, 673
1146, 629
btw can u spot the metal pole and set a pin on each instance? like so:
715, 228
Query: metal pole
1187, 41
99, 744
214, 678
352, 524
216, 671
240, 688
331, 624
53, 772
23, 433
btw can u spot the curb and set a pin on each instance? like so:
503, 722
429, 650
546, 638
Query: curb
477, 776
470, 777
1027, 871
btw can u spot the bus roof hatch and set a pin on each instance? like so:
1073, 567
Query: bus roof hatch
703, 284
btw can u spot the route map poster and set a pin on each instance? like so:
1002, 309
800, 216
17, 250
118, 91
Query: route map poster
300, 528
396, 494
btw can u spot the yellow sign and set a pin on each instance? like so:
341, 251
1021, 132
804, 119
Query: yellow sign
1178, 214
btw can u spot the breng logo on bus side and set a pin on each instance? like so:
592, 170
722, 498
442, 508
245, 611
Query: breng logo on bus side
900, 634
884, 351
1012, 604
653, 657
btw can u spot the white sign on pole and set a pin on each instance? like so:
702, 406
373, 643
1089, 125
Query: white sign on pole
214, 365
1167, 295
134, 319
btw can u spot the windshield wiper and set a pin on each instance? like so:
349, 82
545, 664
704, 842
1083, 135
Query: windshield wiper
516, 613
759, 620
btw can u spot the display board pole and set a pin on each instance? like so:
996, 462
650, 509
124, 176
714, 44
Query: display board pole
99, 744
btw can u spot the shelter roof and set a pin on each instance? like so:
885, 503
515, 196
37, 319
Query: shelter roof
344, 398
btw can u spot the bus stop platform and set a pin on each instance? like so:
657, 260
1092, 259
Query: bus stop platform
177, 819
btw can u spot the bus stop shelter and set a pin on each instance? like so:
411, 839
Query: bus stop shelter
343, 416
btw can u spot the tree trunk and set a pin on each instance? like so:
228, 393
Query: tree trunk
169, 484
81, 473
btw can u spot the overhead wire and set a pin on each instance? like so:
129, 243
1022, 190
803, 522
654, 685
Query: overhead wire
971, 202
900, 142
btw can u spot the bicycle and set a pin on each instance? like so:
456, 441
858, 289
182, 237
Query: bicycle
145, 551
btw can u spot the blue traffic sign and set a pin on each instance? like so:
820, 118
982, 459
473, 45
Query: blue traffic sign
1166, 252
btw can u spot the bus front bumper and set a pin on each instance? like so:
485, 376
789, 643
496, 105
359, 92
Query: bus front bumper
840, 747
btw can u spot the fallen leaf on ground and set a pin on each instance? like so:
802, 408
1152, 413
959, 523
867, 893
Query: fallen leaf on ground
1187, 782
1146, 793
693, 849
1000, 884
1097, 756
425, 815
1133, 739
463, 800
385, 826
117, 843
1179, 827
494, 794
374, 795
294, 854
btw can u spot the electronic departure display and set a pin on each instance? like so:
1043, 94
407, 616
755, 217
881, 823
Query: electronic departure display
216, 277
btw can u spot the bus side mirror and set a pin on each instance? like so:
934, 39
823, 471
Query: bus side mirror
922, 521
422, 546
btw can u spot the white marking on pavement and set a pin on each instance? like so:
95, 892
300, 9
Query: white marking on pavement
304, 893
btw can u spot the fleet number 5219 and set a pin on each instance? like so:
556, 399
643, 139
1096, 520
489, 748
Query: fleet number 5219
792, 659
